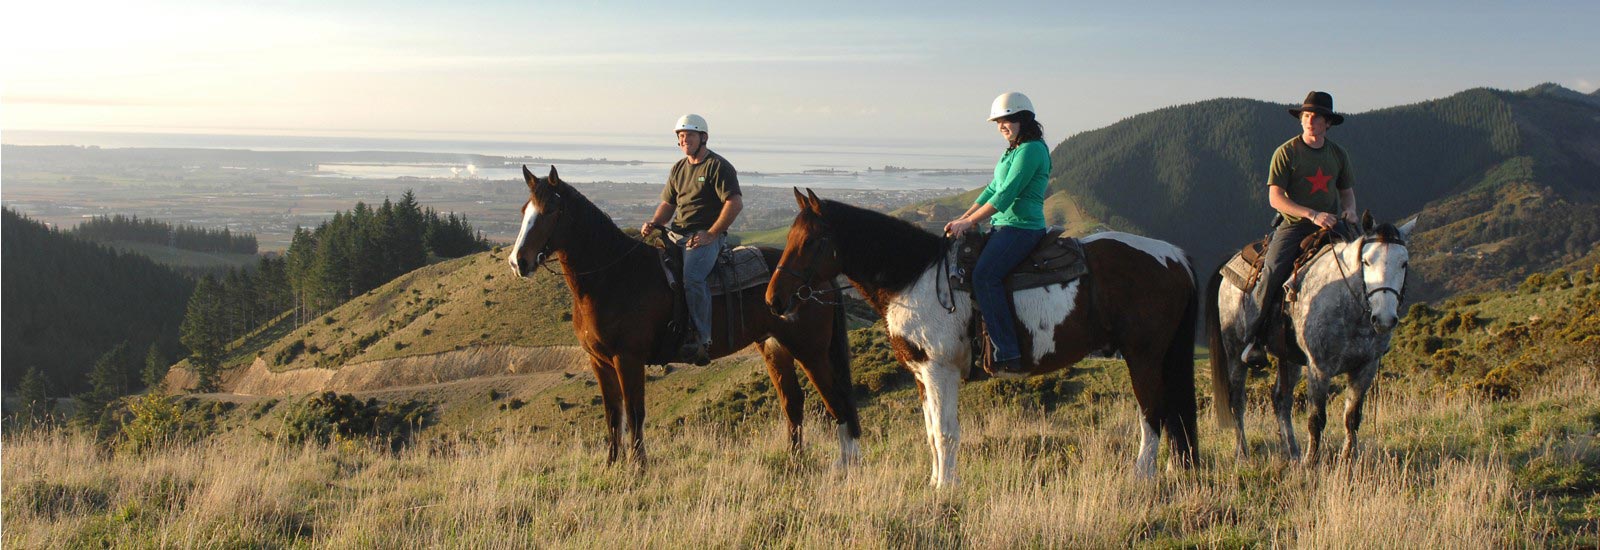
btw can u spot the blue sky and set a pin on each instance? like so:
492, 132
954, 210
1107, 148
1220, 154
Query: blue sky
858, 72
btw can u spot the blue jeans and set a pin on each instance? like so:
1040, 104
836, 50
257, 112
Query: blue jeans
697, 265
1007, 247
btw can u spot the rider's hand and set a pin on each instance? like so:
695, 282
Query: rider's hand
1324, 220
698, 239
958, 226
645, 229
1349, 215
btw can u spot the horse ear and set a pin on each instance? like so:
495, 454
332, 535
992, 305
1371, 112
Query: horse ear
816, 203
1366, 221
1405, 230
529, 177
799, 198
553, 178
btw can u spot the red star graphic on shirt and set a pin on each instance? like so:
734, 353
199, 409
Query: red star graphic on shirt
1319, 182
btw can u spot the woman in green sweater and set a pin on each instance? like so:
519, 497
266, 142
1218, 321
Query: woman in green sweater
1014, 202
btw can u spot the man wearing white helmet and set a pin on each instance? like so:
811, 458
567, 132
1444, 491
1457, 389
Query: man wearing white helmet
703, 189
1014, 202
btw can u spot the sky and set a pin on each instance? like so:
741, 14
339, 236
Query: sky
851, 71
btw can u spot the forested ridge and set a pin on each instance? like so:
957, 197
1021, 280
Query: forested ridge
119, 227
69, 301
1196, 175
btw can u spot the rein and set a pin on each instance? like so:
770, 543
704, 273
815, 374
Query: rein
544, 254
945, 243
1344, 278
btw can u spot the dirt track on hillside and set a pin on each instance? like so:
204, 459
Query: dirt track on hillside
421, 370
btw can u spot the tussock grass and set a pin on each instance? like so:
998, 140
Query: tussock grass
1437, 470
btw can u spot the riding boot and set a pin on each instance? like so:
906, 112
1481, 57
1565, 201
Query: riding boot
695, 351
1255, 349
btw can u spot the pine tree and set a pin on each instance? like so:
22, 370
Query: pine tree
107, 382
34, 393
202, 332
155, 369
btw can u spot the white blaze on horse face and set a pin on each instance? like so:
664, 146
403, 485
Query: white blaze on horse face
1042, 310
530, 214
1164, 252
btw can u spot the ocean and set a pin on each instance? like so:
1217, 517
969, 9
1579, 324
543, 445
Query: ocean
774, 161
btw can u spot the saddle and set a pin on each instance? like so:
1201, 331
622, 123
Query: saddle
1056, 259
737, 269
1243, 270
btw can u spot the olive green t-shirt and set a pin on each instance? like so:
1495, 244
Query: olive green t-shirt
1311, 177
698, 191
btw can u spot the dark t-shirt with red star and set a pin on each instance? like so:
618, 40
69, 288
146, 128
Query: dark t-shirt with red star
1311, 177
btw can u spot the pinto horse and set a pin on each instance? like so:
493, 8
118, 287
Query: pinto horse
1349, 302
1139, 298
622, 304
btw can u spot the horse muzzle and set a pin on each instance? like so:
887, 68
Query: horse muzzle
1384, 322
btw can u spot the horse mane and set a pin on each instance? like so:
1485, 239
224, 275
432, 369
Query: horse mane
892, 252
590, 224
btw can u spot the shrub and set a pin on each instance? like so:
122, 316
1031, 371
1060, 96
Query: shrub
330, 417
155, 421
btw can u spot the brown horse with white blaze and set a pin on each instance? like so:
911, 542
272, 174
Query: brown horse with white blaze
622, 305
1138, 298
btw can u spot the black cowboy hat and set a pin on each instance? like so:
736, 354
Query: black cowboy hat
1320, 103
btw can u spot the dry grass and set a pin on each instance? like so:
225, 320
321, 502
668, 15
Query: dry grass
1436, 471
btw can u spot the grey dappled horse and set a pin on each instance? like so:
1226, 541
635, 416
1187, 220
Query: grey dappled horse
1349, 302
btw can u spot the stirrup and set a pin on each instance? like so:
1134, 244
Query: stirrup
1254, 354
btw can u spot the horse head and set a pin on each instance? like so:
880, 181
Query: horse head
809, 258
540, 214
1384, 265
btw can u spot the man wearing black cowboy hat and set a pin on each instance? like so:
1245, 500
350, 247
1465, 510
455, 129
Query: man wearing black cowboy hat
1309, 181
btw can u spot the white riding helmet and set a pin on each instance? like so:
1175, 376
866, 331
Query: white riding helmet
691, 122
1009, 103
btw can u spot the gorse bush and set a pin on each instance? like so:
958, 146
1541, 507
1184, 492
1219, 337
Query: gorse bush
332, 417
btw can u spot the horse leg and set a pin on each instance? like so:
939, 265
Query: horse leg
780, 366
1238, 372
1317, 413
1146, 377
1360, 382
944, 429
819, 367
630, 373
1283, 406
611, 396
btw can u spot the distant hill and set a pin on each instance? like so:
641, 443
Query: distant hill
67, 301
1195, 175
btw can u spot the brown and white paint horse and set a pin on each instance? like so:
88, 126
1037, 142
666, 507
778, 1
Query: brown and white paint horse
1138, 298
622, 304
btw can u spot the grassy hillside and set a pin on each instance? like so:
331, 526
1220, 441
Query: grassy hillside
452, 305
1484, 431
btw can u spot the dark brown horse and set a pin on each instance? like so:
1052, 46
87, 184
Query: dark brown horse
1138, 298
622, 305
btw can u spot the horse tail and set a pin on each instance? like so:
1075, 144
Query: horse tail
1221, 385
1178, 382
839, 355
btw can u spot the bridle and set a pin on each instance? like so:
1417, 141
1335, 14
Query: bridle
543, 257
804, 292
1366, 302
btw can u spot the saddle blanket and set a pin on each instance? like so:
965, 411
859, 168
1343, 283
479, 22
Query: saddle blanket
737, 269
